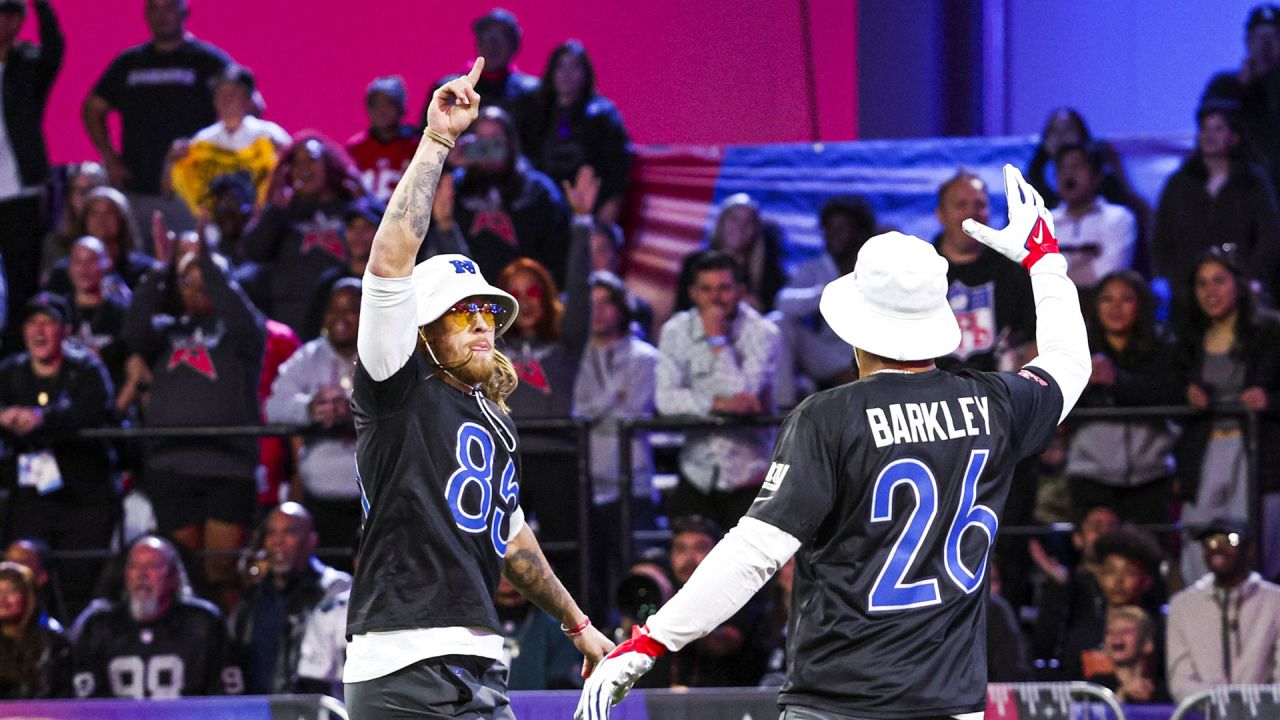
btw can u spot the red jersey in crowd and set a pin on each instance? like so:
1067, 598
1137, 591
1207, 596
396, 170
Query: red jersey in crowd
381, 164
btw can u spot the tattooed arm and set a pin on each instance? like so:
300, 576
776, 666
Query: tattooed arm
526, 568
449, 113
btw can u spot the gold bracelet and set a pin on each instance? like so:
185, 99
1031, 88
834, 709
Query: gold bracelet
439, 138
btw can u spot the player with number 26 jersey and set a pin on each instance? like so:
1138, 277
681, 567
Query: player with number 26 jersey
888, 493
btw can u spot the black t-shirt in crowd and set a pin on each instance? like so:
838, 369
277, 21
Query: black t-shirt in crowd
182, 653
894, 485
161, 96
438, 471
993, 303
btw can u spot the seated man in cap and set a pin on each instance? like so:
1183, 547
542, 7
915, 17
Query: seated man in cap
437, 460
888, 492
1225, 627
65, 495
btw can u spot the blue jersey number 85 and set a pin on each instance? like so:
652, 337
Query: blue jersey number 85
470, 488
890, 592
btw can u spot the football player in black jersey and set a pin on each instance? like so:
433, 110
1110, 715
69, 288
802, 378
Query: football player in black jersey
159, 642
888, 491
439, 468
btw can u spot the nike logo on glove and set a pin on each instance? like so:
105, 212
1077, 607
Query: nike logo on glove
1041, 242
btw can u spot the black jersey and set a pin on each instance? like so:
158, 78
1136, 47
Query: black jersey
438, 473
894, 485
180, 654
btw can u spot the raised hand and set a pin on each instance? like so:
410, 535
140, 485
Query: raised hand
456, 104
1029, 235
583, 192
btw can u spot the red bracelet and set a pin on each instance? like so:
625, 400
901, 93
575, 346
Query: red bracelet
577, 629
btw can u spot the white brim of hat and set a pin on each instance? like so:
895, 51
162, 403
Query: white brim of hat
897, 336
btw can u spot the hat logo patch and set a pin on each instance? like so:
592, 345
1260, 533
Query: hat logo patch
462, 267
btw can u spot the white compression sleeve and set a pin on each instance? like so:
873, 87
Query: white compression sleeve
1060, 333
727, 578
388, 333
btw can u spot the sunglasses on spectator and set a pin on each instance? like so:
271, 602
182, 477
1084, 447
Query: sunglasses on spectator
463, 314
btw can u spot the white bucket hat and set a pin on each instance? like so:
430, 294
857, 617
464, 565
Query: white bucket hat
894, 303
442, 281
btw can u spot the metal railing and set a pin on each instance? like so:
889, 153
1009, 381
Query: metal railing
1231, 701
1028, 701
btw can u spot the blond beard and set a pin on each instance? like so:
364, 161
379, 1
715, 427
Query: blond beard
475, 371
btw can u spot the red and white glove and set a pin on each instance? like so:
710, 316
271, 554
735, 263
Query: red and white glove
613, 677
1029, 235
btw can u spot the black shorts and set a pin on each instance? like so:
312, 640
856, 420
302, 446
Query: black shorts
184, 500
451, 686
800, 712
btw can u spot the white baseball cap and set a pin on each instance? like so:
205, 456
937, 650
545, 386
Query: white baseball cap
442, 281
894, 303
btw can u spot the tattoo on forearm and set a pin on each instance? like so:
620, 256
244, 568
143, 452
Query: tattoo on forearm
420, 183
528, 570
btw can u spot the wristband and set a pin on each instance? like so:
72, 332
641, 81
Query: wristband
576, 629
432, 134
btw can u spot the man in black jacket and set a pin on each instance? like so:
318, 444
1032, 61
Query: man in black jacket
25, 81
64, 494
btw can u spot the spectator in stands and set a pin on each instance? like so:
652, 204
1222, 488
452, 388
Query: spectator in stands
1073, 597
107, 217
1129, 568
35, 655
720, 357
753, 242
615, 381
158, 641
732, 655
1130, 647
1007, 659
64, 492
545, 346
383, 151
97, 306
29, 72
1217, 198
1255, 88
82, 178
161, 91
505, 208
813, 357
314, 388
33, 554
1065, 126
1225, 627
991, 297
607, 242
570, 126
269, 623
298, 237
1094, 235
239, 141
536, 652
204, 342
1227, 353
323, 650
1126, 465
501, 85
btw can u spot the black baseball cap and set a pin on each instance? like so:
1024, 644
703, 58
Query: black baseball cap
390, 85
1265, 14
46, 303
236, 75
501, 17
366, 207
1226, 526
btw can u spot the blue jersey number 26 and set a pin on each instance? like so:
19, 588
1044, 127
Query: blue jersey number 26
470, 488
890, 592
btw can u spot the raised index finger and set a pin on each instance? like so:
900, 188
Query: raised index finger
476, 69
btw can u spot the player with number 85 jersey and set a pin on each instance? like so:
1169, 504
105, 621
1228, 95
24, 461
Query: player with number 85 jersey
888, 492
439, 469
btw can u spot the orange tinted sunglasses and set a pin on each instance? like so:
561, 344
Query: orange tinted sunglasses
463, 314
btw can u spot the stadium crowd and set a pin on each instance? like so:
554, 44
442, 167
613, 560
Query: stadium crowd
207, 272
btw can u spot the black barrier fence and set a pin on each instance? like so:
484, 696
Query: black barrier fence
577, 551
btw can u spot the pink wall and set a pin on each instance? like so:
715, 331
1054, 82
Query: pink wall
682, 71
